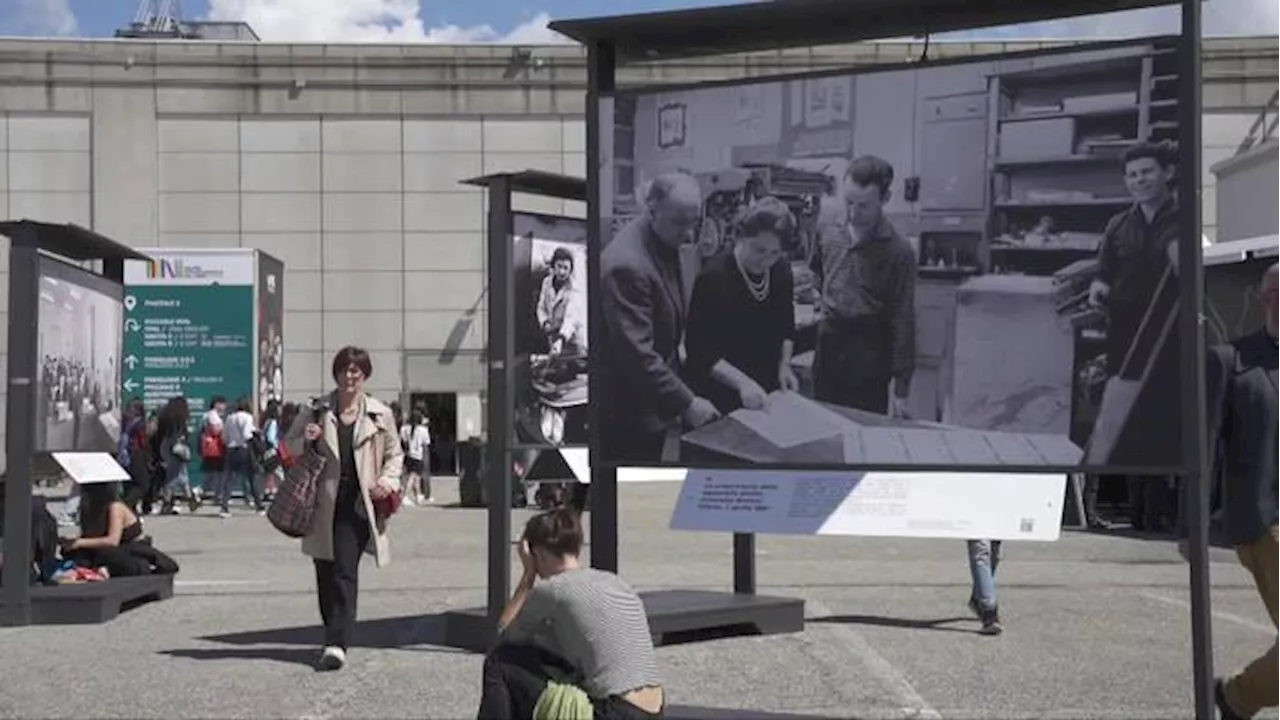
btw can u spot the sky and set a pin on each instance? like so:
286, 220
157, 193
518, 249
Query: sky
524, 21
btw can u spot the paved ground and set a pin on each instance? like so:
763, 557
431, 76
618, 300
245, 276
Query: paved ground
1097, 628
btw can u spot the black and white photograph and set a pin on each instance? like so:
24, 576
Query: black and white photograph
80, 338
550, 259
958, 264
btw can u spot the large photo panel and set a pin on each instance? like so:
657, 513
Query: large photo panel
961, 265
79, 337
551, 371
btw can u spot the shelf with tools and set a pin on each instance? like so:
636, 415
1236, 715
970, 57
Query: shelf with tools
1057, 136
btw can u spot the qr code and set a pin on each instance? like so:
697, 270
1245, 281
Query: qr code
1027, 525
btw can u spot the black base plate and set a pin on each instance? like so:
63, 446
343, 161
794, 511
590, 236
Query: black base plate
675, 616
96, 602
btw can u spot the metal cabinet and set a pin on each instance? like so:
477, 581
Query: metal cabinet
953, 158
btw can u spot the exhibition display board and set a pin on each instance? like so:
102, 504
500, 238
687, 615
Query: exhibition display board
201, 323
968, 235
64, 378
936, 265
517, 264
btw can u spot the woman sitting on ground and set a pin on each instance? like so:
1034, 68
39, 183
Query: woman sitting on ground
573, 625
111, 536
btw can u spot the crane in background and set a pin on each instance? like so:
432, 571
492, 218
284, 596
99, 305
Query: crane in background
158, 19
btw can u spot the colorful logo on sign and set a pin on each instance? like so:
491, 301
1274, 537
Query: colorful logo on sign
180, 269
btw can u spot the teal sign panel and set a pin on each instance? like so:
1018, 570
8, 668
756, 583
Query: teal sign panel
195, 341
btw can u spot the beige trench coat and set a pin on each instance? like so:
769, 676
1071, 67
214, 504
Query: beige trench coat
375, 430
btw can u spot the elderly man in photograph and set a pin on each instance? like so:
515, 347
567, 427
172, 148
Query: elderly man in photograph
866, 274
1139, 248
644, 307
1242, 412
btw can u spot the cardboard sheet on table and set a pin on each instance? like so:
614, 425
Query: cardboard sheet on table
789, 419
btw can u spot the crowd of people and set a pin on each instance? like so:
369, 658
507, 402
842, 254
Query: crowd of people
236, 452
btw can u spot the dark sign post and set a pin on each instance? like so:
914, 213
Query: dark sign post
617, 41
28, 239
474, 628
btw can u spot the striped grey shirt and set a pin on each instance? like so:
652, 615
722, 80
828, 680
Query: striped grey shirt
594, 620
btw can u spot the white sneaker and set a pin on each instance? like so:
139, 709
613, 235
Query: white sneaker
333, 658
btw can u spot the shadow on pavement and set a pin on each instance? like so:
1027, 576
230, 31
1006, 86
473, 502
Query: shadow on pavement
693, 712
404, 633
943, 624
287, 655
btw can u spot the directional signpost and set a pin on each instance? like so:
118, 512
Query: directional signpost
189, 330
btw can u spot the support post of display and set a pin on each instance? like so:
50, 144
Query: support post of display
475, 628
603, 498
1191, 319
24, 273
498, 412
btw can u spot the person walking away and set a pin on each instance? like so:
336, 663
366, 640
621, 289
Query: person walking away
570, 625
213, 454
236, 432
174, 451
416, 439
1242, 417
984, 559
271, 434
357, 435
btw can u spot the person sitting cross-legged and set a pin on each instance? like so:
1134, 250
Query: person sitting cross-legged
571, 637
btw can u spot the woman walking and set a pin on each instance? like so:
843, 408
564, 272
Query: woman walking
270, 425
357, 436
174, 450
415, 438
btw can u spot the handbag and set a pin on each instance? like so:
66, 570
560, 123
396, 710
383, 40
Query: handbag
293, 509
286, 457
210, 444
384, 507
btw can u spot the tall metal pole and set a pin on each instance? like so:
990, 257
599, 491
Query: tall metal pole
603, 497
1191, 315
24, 304
498, 413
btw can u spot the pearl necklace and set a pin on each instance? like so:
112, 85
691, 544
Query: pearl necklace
759, 289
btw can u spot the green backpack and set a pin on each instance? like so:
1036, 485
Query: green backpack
563, 702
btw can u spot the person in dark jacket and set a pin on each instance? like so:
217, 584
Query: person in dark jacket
741, 315
643, 301
1242, 417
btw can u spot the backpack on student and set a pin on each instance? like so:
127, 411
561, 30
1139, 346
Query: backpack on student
210, 443
561, 701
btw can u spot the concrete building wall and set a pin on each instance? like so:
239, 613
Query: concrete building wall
343, 161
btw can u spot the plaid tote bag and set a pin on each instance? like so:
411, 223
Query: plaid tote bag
294, 507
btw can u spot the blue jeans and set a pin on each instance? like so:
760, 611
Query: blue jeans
984, 558
239, 467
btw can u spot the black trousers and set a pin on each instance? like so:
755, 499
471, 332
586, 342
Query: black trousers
338, 580
515, 676
851, 364
626, 443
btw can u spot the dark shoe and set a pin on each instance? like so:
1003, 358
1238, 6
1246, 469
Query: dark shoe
1220, 699
991, 622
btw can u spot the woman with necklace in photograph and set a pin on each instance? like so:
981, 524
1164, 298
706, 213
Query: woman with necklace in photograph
741, 315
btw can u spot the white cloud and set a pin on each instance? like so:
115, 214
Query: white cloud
45, 17
1219, 17
391, 21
